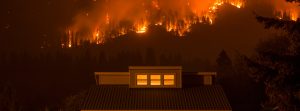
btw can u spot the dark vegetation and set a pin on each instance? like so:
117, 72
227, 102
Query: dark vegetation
276, 64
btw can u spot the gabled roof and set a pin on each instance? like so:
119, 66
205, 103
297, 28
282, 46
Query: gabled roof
124, 98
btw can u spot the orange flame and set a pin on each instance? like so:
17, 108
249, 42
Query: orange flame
286, 10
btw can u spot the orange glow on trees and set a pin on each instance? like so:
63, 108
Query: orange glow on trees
118, 17
286, 10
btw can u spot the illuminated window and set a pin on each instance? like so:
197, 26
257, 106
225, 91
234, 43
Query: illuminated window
141, 79
155, 80
169, 80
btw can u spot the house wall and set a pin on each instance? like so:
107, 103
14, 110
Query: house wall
189, 80
129, 78
112, 78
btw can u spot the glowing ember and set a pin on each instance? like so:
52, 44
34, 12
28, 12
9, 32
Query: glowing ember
142, 29
107, 19
237, 4
70, 45
70, 39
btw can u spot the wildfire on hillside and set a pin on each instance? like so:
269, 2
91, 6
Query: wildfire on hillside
115, 18
286, 10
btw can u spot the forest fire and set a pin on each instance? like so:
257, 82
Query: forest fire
141, 27
286, 10
290, 14
176, 18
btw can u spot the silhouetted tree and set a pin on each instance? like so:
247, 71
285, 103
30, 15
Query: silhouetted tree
2, 59
224, 68
276, 64
73, 102
123, 60
163, 60
102, 59
150, 57
245, 93
137, 58
175, 59
8, 101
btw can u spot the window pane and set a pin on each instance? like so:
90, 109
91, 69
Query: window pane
155, 82
169, 79
168, 76
168, 82
141, 77
154, 77
142, 82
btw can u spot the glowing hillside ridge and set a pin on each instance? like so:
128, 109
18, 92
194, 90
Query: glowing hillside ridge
177, 19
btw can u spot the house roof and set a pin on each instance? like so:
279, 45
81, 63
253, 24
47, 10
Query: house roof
124, 98
155, 67
112, 73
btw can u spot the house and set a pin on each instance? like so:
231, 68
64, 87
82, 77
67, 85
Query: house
155, 88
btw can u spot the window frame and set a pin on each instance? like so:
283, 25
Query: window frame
137, 80
174, 79
160, 79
